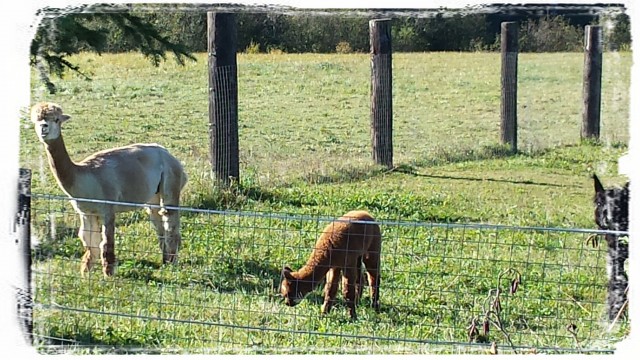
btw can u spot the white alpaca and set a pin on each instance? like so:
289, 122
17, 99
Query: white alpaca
138, 173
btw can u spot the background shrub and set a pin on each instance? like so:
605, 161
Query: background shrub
252, 48
343, 47
428, 30
550, 34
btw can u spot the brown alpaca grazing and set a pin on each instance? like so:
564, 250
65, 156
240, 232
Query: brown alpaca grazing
341, 249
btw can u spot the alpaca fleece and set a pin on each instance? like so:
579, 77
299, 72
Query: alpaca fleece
342, 249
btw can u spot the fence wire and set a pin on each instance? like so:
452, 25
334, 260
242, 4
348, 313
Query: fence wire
438, 283
381, 109
561, 83
223, 126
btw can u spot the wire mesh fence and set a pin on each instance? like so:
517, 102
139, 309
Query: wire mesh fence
381, 110
445, 107
539, 129
305, 119
438, 291
223, 126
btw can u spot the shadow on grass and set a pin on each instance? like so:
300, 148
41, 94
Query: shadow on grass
239, 195
410, 171
342, 175
248, 191
85, 341
222, 275
395, 208
485, 153
454, 156
66, 244
401, 313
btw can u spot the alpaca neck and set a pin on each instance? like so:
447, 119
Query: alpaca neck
312, 274
63, 168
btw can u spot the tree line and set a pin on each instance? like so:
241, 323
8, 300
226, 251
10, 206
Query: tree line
156, 31
306, 32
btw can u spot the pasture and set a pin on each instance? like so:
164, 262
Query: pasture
305, 158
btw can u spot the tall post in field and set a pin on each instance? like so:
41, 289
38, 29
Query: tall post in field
223, 96
381, 105
509, 85
22, 231
592, 81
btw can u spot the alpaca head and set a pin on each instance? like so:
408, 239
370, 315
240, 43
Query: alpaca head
47, 119
293, 289
611, 206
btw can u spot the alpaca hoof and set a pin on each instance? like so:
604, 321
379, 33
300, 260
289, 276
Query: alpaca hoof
170, 259
325, 309
84, 269
358, 295
108, 269
86, 263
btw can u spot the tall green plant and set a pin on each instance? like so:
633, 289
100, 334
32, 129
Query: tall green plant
620, 37
550, 34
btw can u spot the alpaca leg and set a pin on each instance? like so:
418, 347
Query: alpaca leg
372, 264
359, 279
618, 281
170, 196
349, 277
89, 234
330, 289
617, 297
107, 246
156, 220
172, 240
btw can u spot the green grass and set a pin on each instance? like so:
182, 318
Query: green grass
305, 152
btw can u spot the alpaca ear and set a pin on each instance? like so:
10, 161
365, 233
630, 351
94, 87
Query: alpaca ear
63, 118
597, 184
286, 272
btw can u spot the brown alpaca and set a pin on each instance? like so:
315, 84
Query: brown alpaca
342, 248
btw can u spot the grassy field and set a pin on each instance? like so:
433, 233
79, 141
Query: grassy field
305, 158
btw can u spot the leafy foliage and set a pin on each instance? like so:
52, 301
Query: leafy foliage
63, 34
550, 34
620, 36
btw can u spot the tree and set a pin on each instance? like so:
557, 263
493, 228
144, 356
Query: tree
64, 32
620, 37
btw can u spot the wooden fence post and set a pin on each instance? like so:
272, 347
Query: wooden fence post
223, 96
22, 230
381, 89
592, 81
509, 85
